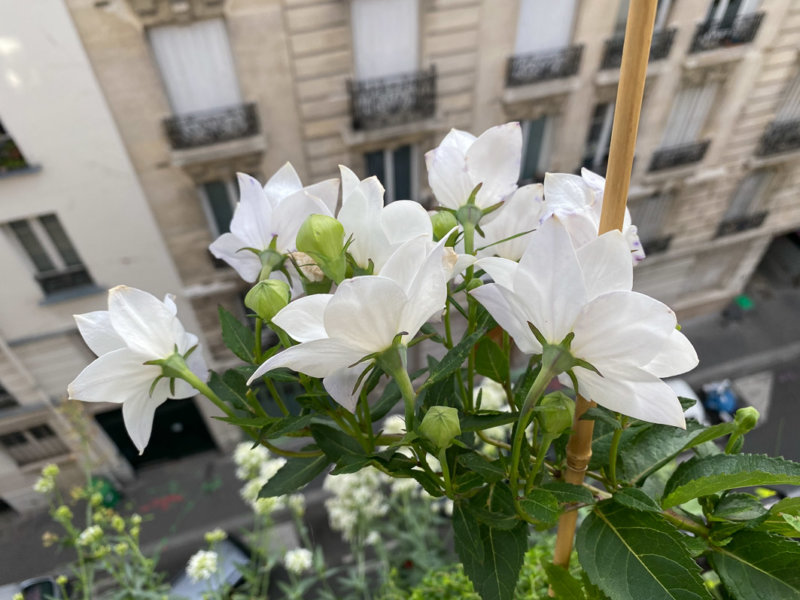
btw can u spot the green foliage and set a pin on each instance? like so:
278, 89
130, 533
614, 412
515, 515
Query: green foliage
237, 337
292, 476
491, 361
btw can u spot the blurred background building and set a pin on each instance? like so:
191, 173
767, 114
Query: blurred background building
125, 121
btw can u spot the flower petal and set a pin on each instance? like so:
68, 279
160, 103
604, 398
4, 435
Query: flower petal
494, 160
521, 212
113, 377
350, 182
228, 247
403, 220
319, 358
138, 412
565, 193
340, 385
448, 177
427, 293
360, 217
365, 313
283, 183
146, 324
96, 330
302, 319
458, 140
253, 214
606, 264
495, 299
501, 270
327, 192
677, 356
403, 265
290, 215
549, 281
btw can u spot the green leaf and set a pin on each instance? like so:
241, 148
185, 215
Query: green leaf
389, 398
338, 446
466, 532
541, 505
231, 389
495, 577
491, 361
256, 422
652, 448
562, 583
712, 474
775, 521
292, 476
633, 555
524, 384
759, 566
568, 493
489, 471
738, 507
238, 338
636, 499
481, 422
287, 425
453, 360
598, 413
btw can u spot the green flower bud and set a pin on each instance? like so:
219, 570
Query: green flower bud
121, 549
215, 535
61, 580
443, 221
440, 425
746, 418
51, 470
118, 523
63, 514
555, 413
474, 283
267, 297
96, 499
322, 238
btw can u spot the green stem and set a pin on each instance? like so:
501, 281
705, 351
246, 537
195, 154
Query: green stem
507, 382
393, 362
275, 395
612, 457
448, 335
686, 524
365, 409
257, 350
448, 484
289, 453
201, 386
547, 439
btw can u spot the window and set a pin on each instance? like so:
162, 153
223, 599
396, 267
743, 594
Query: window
650, 215
11, 158
219, 201
398, 171
746, 208
47, 246
385, 37
6, 399
544, 25
33, 444
688, 115
724, 12
598, 141
536, 137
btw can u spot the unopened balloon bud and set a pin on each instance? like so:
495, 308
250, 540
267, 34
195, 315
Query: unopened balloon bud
746, 418
555, 413
267, 297
322, 238
443, 222
440, 425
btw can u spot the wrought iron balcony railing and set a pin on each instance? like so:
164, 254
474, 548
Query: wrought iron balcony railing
719, 34
11, 158
386, 101
543, 66
743, 223
64, 279
676, 156
780, 136
660, 45
212, 126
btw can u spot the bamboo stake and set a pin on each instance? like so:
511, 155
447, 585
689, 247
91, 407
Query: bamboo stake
635, 56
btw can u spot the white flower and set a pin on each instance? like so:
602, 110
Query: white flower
394, 425
462, 161
275, 211
136, 328
44, 485
363, 317
522, 212
202, 565
630, 338
297, 504
298, 561
90, 535
249, 460
578, 203
373, 538
357, 501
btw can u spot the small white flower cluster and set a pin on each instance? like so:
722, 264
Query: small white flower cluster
249, 459
202, 565
256, 467
47, 482
298, 561
358, 500
90, 535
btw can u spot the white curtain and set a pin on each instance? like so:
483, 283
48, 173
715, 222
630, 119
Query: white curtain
544, 25
385, 37
196, 65
689, 113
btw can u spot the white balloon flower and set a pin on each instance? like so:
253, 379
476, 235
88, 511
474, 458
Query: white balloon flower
136, 329
631, 339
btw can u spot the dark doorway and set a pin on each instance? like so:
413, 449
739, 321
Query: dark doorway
178, 431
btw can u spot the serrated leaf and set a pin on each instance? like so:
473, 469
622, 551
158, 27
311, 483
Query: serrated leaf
293, 475
466, 532
491, 361
338, 446
453, 360
633, 555
238, 338
775, 521
541, 505
652, 448
255, 422
524, 384
287, 425
598, 413
686, 403
704, 476
738, 507
495, 577
562, 583
636, 499
756, 565
231, 389
568, 493
489, 471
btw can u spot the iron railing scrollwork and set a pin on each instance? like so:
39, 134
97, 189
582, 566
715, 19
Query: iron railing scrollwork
732, 32
386, 101
676, 156
743, 223
780, 136
660, 45
64, 279
212, 126
524, 69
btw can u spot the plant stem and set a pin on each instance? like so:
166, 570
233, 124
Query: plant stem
275, 395
612, 458
203, 388
448, 484
393, 361
257, 337
507, 374
289, 453
687, 524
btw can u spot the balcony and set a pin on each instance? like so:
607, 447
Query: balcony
660, 45
677, 156
60, 280
743, 223
11, 158
209, 127
387, 101
721, 34
780, 136
525, 69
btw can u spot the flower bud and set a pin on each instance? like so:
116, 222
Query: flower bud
50, 470
267, 297
322, 238
746, 418
62, 514
61, 580
440, 425
215, 535
118, 523
96, 499
555, 413
443, 222
49, 538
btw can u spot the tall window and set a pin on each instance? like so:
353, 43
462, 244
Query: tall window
650, 216
544, 25
219, 201
398, 171
33, 444
11, 159
750, 197
51, 253
536, 136
688, 115
196, 65
385, 37
725, 12
789, 109
598, 140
